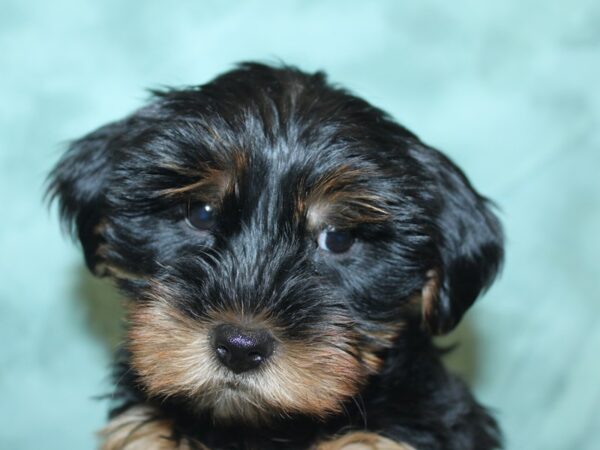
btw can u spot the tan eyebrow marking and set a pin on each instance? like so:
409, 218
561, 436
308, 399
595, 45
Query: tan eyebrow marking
339, 199
213, 182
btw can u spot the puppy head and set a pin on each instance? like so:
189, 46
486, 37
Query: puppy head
273, 234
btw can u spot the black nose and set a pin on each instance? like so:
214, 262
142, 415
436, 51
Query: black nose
242, 350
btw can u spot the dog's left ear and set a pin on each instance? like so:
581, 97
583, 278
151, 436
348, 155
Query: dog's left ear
469, 242
79, 181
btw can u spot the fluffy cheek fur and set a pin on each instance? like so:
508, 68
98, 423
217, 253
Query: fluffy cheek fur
171, 353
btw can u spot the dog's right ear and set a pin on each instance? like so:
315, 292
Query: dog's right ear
79, 181
469, 241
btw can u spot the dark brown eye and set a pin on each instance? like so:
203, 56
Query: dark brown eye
335, 241
201, 215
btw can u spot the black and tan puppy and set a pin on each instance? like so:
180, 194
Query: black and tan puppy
287, 251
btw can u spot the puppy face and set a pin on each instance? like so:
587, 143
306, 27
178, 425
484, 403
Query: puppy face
274, 235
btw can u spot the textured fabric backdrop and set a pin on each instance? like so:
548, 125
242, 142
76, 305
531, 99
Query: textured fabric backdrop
508, 89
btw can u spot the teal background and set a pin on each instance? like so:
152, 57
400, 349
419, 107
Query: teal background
510, 90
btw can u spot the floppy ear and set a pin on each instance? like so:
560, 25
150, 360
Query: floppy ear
78, 182
469, 244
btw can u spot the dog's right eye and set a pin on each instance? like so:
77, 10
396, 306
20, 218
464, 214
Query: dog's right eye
335, 241
201, 215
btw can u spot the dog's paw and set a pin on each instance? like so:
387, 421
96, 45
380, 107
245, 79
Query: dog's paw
362, 441
140, 428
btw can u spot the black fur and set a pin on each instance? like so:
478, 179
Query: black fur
293, 128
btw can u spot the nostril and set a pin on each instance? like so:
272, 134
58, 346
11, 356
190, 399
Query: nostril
222, 351
242, 349
256, 357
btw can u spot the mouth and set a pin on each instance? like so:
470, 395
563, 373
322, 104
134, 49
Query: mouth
232, 400
234, 386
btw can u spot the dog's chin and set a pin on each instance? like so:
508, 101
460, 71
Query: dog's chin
254, 399
230, 402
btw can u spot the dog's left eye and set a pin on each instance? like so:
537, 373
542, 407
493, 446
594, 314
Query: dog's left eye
201, 215
335, 241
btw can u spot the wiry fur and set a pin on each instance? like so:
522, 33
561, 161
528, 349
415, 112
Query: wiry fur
282, 155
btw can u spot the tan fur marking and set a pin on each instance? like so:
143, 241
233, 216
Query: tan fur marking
172, 354
212, 185
120, 274
379, 339
169, 350
371, 360
214, 182
429, 294
338, 200
139, 428
105, 268
101, 227
362, 441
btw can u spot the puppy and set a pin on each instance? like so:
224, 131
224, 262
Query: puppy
287, 251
